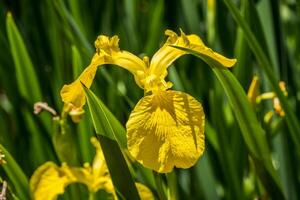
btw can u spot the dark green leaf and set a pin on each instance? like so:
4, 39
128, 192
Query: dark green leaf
27, 79
108, 130
253, 134
15, 175
104, 121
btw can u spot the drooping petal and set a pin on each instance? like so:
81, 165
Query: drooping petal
166, 129
48, 181
94, 182
99, 164
167, 54
108, 52
51, 180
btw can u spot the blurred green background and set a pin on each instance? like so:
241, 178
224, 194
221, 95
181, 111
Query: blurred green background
46, 44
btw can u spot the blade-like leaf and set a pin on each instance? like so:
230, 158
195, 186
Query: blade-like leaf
64, 143
253, 134
77, 63
108, 130
26, 76
104, 121
15, 175
84, 127
120, 132
266, 65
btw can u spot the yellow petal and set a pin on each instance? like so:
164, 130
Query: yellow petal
96, 176
167, 54
94, 182
51, 179
76, 114
108, 52
2, 158
144, 192
99, 164
166, 129
277, 107
253, 90
48, 181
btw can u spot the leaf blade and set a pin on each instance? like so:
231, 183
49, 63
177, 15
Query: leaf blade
252, 132
26, 75
110, 144
16, 175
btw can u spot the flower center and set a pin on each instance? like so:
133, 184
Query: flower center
151, 82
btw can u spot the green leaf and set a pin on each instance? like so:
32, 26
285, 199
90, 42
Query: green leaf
190, 15
85, 126
39, 147
104, 121
26, 76
206, 178
231, 173
243, 69
77, 63
266, 65
27, 79
252, 132
118, 130
130, 22
172, 185
15, 175
155, 27
64, 142
111, 138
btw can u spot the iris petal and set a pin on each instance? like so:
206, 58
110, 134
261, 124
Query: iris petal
144, 192
167, 54
48, 181
166, 129
108, 52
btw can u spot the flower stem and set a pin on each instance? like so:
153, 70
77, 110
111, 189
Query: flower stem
159, 185
92, 196
172, 183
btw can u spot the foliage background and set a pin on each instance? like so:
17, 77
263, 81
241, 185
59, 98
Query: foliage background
58, 37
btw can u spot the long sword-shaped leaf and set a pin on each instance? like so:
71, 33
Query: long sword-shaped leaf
119, 134
111, 141
85, 126
266, 65
252, 132
104, 121
15, 175
26, 76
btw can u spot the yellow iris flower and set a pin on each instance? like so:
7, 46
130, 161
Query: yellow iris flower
50, 180
166, 127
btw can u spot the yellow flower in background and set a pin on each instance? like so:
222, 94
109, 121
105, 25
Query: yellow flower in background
166, 127
2, 158
50, 180
256, 98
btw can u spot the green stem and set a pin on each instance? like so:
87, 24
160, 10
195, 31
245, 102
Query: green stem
92, 196
172, 183
159, 186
